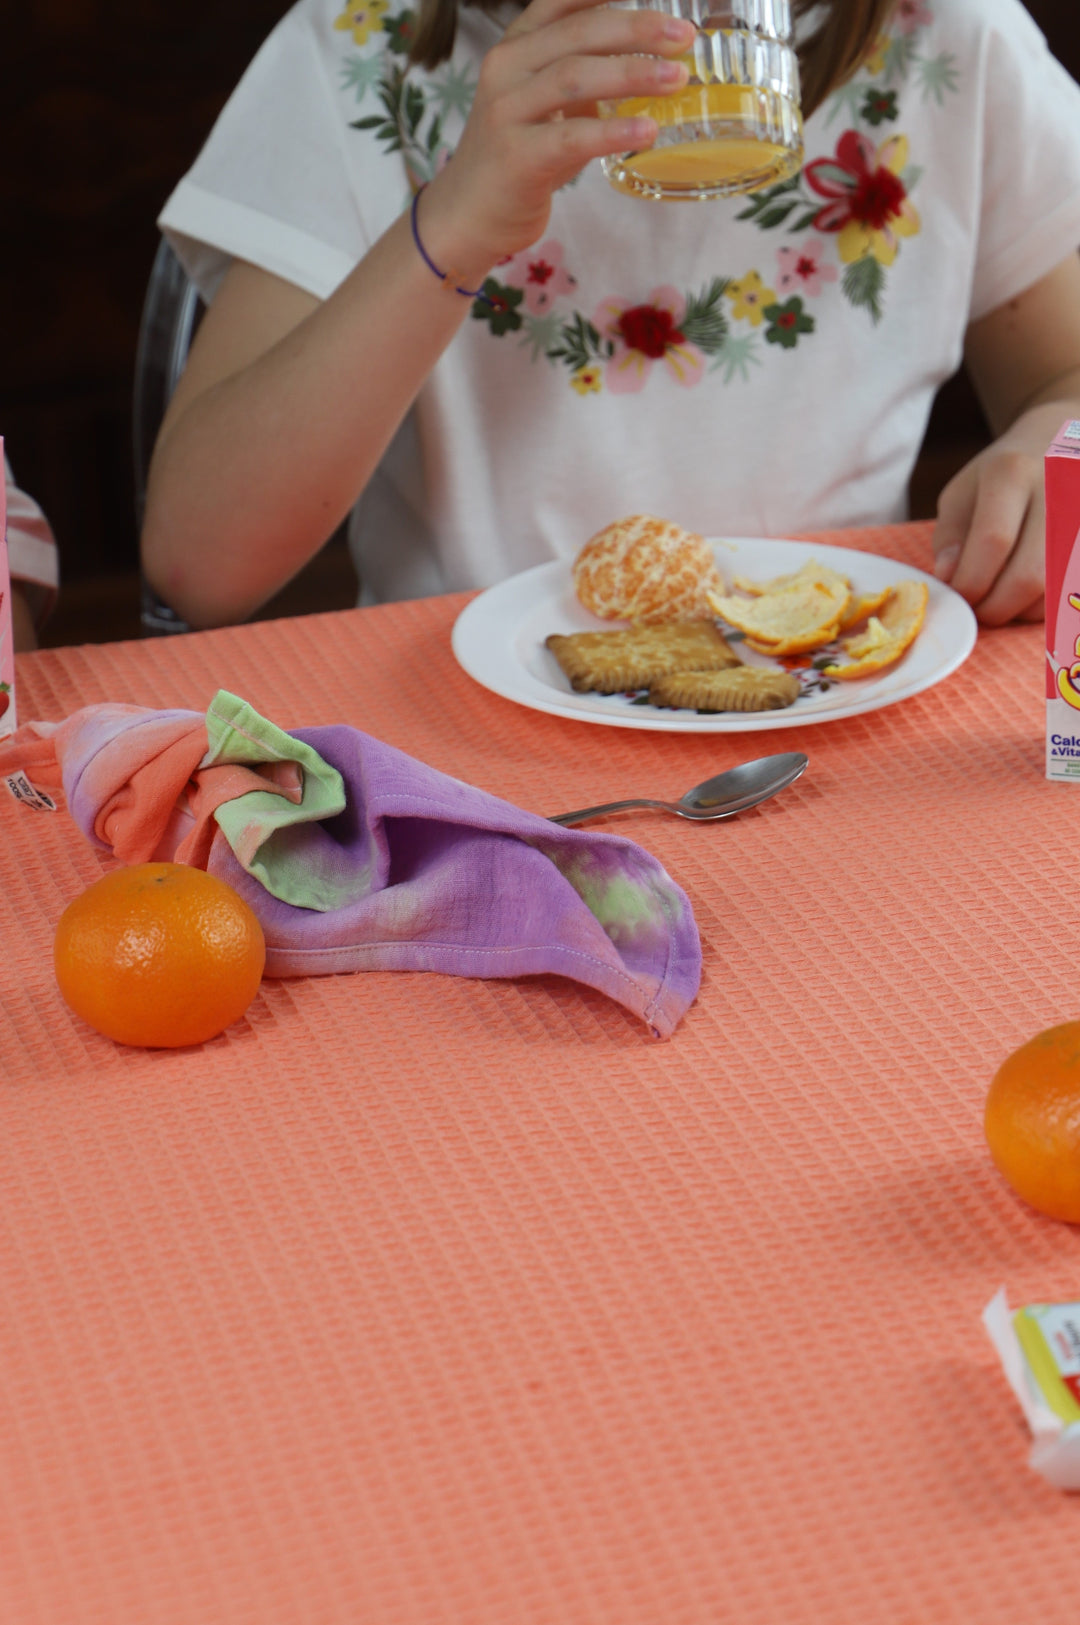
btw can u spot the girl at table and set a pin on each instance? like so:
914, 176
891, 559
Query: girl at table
488, 377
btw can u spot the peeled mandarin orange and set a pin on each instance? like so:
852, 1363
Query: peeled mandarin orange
1033, 1121
159, 954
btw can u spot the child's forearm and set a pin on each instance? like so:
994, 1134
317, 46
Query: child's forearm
252, 475
272, 438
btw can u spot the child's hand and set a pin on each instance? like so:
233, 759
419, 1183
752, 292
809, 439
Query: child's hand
1024, 359
989, 540
534, 124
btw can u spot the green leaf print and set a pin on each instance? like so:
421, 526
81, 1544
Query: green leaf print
540, 333
787, 322
400, 31
736, 356
454, 90
762, 202
899, 56
389, 124
499, 308
704, 322
863, 284
879, 105
937, 76
360, 73
581, 343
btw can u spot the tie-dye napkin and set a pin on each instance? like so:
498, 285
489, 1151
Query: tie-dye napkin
355, 856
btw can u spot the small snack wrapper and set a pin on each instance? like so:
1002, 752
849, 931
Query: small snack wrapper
1039, 1348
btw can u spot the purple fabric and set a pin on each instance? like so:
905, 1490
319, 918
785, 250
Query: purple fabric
464, 883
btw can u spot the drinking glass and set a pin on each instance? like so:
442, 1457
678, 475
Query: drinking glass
736, 126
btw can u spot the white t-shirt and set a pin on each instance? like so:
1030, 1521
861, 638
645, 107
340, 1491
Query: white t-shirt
752, 366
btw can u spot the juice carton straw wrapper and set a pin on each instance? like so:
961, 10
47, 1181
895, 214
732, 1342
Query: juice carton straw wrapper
7, 636
1062, 468
1039, 1348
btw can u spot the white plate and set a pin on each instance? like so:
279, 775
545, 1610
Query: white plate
499, 640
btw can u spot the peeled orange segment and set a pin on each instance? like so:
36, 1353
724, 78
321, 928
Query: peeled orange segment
887, 636
862, 606
802, 614
645, 569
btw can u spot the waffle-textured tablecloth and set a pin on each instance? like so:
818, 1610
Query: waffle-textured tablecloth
414, 1300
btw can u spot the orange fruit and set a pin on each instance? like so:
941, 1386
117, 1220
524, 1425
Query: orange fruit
1033, 1121
159, 954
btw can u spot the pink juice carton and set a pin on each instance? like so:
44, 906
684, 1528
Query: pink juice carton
7, 637
1063, 604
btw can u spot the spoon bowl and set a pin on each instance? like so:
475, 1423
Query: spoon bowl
720, 797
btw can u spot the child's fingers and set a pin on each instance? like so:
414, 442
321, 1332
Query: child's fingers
562, 149
1017, 592
574, 85
1004, 495
955, 506
541, 13
599, 33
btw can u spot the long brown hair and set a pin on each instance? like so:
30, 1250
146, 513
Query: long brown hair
829, 57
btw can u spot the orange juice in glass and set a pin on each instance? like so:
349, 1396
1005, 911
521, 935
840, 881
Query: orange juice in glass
736, 125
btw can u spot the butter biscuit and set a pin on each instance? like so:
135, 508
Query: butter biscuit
748, 688
613, 662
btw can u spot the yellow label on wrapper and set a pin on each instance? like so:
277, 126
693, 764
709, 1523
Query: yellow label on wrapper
1049, 1335
1039, 1349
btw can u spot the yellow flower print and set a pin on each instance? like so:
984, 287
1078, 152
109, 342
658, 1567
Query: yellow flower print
363, 18
587, 380
749, 296
874, 63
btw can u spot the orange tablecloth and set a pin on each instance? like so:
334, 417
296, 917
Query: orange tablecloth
416, 1300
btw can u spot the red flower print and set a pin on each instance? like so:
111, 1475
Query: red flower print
649, 329
868, 203
643, 334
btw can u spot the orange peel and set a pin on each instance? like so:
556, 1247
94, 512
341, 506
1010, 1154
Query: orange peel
800, 613
887, 636
862, 606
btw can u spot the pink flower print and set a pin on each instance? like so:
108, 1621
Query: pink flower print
644, 334
803, 270
910, 15
540, 273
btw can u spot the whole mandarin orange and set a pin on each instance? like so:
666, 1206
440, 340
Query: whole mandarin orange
159, 954
1033, 1121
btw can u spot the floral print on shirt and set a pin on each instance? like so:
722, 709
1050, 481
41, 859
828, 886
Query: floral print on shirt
854, 203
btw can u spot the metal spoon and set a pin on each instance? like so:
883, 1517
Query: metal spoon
722, 797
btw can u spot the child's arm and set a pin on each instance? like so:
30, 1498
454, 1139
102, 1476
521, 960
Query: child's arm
1024, 359
287, 404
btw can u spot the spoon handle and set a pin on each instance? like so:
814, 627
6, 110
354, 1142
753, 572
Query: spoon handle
608, 807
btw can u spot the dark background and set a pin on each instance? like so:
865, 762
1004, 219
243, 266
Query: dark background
103, 105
